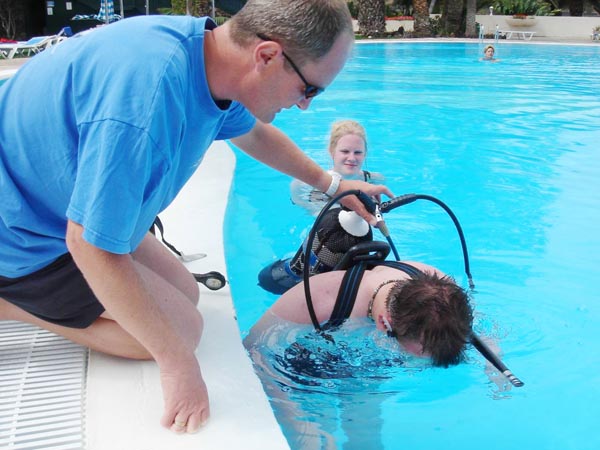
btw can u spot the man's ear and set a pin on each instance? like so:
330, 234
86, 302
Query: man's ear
266, 53
388, 327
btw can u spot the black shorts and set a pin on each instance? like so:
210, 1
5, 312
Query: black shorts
57, 293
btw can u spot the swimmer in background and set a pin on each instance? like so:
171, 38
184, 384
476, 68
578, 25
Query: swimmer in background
488, 54
348, 150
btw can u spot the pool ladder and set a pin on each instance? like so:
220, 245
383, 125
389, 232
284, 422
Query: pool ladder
482, 34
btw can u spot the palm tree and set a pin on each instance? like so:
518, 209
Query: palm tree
12, 18
371, 17
576, 7
453, 17
421, 15
200, 8
471, 27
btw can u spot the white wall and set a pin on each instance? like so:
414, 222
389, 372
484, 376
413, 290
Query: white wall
576, 28
560, 27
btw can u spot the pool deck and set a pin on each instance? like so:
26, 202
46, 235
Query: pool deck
9, 66
124, 400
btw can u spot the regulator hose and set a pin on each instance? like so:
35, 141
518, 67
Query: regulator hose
385, 207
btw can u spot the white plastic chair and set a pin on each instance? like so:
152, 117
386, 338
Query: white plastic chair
27, 48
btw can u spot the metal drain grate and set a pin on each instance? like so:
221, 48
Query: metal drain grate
42, 389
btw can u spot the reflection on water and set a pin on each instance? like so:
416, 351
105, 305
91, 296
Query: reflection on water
512, 148
332, 375
321, 385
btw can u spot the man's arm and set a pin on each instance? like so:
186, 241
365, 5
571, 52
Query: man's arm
157, 315
272, 147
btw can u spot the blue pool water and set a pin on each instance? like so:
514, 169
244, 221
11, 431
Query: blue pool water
512, 148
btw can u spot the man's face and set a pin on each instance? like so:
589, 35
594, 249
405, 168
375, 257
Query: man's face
284, 88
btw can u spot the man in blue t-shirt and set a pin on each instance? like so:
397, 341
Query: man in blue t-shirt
100, 133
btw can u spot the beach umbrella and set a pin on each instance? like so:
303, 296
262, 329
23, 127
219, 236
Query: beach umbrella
107, 11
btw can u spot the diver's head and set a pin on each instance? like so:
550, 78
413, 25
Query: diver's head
431, 316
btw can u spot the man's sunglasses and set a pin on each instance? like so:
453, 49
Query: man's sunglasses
310, 90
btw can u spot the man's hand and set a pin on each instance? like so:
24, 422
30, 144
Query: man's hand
185, 396
353, 203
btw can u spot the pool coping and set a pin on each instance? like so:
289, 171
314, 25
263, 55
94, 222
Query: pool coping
124, 399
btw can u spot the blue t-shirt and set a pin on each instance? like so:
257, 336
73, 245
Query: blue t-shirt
104, 129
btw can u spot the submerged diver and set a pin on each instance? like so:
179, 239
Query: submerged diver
425, 310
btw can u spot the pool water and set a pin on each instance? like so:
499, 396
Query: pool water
512, 149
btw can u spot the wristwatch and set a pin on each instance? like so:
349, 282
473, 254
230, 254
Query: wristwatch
335, 184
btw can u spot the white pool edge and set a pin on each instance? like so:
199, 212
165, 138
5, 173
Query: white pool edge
124, 399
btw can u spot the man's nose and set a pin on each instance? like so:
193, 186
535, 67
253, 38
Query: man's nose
304, 103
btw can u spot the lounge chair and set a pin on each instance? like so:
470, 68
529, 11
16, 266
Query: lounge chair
522, 34
30, 47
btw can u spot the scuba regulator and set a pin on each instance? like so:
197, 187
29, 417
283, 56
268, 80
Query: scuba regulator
357, 254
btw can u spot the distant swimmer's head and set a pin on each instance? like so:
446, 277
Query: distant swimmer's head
488, 52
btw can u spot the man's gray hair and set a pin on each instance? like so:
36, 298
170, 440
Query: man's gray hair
306, 29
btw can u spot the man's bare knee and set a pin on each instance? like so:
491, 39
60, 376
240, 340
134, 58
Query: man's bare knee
3, 310
194, 294
154, 256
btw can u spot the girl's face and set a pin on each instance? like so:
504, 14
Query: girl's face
349, 155
489, 53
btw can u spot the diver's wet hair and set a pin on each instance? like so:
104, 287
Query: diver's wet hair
434, 311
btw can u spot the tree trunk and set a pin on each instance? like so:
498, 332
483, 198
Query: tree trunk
371, 18
576, 8
12, 18
453, 19
201, 8
471, 26
421, 15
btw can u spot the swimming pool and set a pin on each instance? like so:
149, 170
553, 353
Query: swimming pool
512, 148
